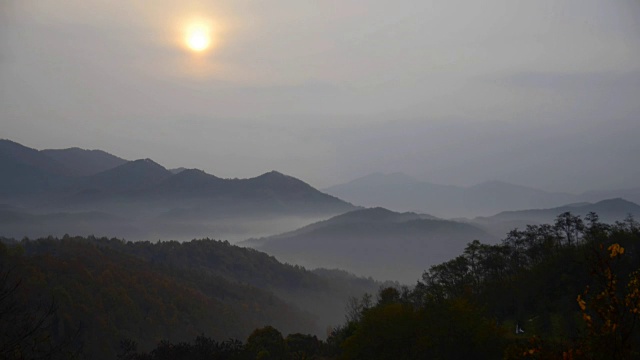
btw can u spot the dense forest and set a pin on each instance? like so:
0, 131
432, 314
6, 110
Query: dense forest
567, 290
105, 290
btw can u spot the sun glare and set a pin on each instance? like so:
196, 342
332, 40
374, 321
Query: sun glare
198, 37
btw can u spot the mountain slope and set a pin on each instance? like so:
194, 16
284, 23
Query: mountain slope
289, 194
98, 171
103, 288
173, 291
156, 202
131, 176
373, 242
26, 171
271, 186
190, 182
84, 162
371, 215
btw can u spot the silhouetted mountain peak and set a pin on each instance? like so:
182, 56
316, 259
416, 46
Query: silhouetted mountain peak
84, 162
6, 144
369, 214
133, 175
379, 215
617, 204
18, 154
278, 181
191, 180
144, 164
273, 174
141, 167
148, 161
617, 201
192, 172
146, 184
178, 170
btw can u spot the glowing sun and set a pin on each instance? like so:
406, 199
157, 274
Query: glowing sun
198, 38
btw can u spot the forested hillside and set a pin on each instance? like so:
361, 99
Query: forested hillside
108, 290
569, 290
565, 291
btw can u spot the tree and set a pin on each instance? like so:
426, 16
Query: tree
571, 226
301, 346
266, 344
611, 314
26, 325
449, 279
387, 331
440, 329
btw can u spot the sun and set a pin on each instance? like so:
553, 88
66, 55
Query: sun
198, 37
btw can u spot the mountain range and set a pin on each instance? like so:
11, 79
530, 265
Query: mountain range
400, 192
608, 211
154, 201
374, 242
86, 192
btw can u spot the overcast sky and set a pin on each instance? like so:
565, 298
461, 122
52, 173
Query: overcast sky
543, 93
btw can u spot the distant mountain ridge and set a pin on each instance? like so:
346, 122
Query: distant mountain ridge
374, 242
144, 177
370, 215
632, 194
400, 192
27, 170
395, 246
65, 181
84, 162
20, 154
130, 176
608, 211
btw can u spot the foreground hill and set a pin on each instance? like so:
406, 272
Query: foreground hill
113, 290
609, 211
155, 202
400, 192
374, 242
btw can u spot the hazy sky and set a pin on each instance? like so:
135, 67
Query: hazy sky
541, 92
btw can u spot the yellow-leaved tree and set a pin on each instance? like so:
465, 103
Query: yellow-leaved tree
611, 313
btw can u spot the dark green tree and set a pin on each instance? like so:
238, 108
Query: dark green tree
266, 344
